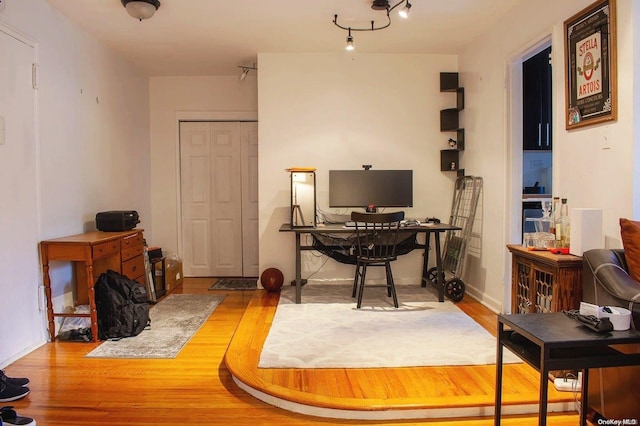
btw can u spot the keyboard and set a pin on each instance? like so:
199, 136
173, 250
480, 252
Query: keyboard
352, 224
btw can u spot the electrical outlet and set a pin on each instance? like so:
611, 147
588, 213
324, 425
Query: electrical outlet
606, 137
42, 304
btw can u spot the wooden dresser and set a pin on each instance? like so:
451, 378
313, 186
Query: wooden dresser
92, 254
544, 282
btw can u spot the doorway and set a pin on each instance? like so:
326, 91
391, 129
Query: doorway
219, 198
515, 173
537, 134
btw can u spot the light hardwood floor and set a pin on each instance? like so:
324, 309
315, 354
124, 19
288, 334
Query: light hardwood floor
196, 388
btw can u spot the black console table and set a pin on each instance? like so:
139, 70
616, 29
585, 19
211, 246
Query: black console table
553, 341
340, 228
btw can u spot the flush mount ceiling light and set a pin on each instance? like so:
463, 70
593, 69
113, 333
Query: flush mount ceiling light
246, 69
141, 9
376, 5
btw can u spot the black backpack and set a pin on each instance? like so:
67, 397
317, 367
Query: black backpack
122, 306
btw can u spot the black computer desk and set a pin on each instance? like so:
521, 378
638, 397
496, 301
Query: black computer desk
339, 228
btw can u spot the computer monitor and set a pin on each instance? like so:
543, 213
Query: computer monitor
370, 188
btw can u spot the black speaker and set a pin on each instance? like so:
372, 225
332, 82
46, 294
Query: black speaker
117, 220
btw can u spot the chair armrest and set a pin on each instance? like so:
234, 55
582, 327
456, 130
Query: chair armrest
607, 269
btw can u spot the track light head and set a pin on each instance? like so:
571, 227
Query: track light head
349, 41
404, 12
246, 69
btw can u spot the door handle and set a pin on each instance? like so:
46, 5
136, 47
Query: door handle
548, 140
540, 134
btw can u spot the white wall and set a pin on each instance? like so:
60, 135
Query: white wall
584, 172
340, 111
93, 143
186, 98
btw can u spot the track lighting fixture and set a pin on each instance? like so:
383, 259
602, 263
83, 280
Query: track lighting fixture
376, 5
141, 9
246, 69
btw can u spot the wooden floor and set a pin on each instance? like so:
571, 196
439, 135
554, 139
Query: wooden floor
197, 387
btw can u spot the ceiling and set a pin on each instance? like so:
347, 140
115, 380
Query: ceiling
214, 37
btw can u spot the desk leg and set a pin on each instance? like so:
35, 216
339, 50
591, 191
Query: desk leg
298, 270
499, 352
425, 261
439, 270
584, 400
93, 314
47, 292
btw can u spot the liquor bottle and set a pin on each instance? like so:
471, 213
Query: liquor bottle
564, 223
555, 216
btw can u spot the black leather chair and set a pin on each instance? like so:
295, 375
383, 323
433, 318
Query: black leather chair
606, 282
377, 236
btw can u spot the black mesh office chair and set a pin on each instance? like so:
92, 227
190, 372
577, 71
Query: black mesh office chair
377, 235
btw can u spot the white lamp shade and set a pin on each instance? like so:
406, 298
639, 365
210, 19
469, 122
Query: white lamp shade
140, 9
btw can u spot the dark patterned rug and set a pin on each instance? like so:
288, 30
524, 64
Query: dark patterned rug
235, 284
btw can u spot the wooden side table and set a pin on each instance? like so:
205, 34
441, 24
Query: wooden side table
544, 282
92, 254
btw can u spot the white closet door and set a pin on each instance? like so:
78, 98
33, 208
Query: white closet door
226, 195
195, 173
215, 176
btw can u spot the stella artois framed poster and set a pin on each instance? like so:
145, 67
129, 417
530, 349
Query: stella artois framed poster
590, 65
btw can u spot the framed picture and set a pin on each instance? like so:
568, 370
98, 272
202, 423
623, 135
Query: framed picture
590, 65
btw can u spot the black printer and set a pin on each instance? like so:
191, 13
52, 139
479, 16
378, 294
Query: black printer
117, 220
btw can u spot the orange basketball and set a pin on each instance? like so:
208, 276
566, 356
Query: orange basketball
272, 279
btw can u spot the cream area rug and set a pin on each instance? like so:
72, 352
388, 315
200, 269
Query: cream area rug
174, 320
327, 331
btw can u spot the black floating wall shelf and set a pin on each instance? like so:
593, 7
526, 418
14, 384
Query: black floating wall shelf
450, 122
